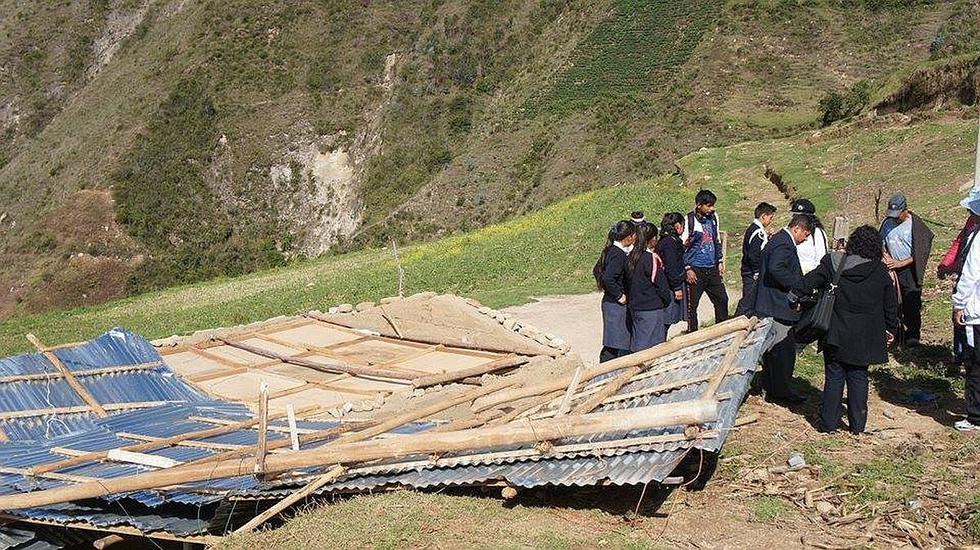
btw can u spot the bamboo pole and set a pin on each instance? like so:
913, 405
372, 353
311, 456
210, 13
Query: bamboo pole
518, 433
508, 361
319, 366
639, 358
306, 491
82, 392
154, 445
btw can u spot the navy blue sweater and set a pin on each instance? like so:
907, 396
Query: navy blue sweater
646, 292
671, 252
613, 274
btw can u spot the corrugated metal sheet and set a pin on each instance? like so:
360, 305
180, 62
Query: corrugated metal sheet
200, 507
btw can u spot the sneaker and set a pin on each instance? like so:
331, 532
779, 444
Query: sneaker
966, 426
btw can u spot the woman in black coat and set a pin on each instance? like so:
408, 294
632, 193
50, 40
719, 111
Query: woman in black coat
610, 274
865, 318
670, 248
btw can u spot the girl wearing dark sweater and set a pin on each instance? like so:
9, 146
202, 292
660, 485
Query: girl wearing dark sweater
610, 274
649, 297
670, 248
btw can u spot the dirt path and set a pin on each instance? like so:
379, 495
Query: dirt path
578, 320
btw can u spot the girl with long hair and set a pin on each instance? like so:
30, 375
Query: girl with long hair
611, 277
670, 249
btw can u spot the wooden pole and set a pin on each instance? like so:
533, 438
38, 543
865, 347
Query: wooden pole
449, 342
293, 432
352, 370
639, 358
154, 445
261, 446
607, 390
505, 362
69, 377
517, 433
566, 402
731, 355
306, 491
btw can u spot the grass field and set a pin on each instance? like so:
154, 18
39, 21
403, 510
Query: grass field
550, 251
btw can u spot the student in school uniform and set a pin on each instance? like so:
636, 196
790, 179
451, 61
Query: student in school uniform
753, 242
814, 248
704, 257
610, 274
649, 295
670, 248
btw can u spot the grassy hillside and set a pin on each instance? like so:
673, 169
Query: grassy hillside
549, 251
240, 135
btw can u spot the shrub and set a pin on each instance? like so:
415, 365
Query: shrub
836, 106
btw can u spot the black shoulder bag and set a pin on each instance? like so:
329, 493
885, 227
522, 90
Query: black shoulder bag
815, 322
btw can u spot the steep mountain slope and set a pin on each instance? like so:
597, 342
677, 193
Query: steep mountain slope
208, 138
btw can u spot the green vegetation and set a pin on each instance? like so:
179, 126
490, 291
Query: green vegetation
771, 509
499, 265
837, 106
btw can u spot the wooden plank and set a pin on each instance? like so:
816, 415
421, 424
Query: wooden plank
80, 373
83, 409
262, 446
607, 390
293, 432
306, 491
731, 355
143, 459
524, 432
277, 429
566, 402
507, 361
154, 445
87, 397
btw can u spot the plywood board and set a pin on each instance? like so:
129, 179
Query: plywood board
191, 365
238, 356
373, 352
279, 349
442, 361
314, 396
315, 335
245, 386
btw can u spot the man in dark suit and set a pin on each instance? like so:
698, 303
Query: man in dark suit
780, 273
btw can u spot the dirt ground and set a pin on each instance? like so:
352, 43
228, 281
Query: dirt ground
910, 480
578, 319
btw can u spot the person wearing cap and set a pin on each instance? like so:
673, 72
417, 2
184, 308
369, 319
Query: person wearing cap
704, 259
753, 242
812, 250
907, 242
951, 266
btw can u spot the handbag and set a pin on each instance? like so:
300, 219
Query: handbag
815, 322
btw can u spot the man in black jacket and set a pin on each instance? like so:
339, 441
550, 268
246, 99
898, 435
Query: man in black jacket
753, 242
779, 273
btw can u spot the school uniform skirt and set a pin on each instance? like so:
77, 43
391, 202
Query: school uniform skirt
649, 329
615, 326
676, 311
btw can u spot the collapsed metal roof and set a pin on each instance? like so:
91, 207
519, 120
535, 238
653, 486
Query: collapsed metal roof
51, 431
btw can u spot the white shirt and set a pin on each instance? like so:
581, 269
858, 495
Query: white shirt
812, 250
967, 295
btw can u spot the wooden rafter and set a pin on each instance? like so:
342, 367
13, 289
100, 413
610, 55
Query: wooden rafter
69, 377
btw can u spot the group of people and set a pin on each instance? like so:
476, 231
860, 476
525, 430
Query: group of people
654, 277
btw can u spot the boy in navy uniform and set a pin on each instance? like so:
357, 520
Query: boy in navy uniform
753, 242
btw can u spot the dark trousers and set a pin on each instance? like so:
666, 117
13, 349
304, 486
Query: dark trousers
608, 353
836, 376
971, 395
779, 361
911, 304
959, 342
710, 283
746, 304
